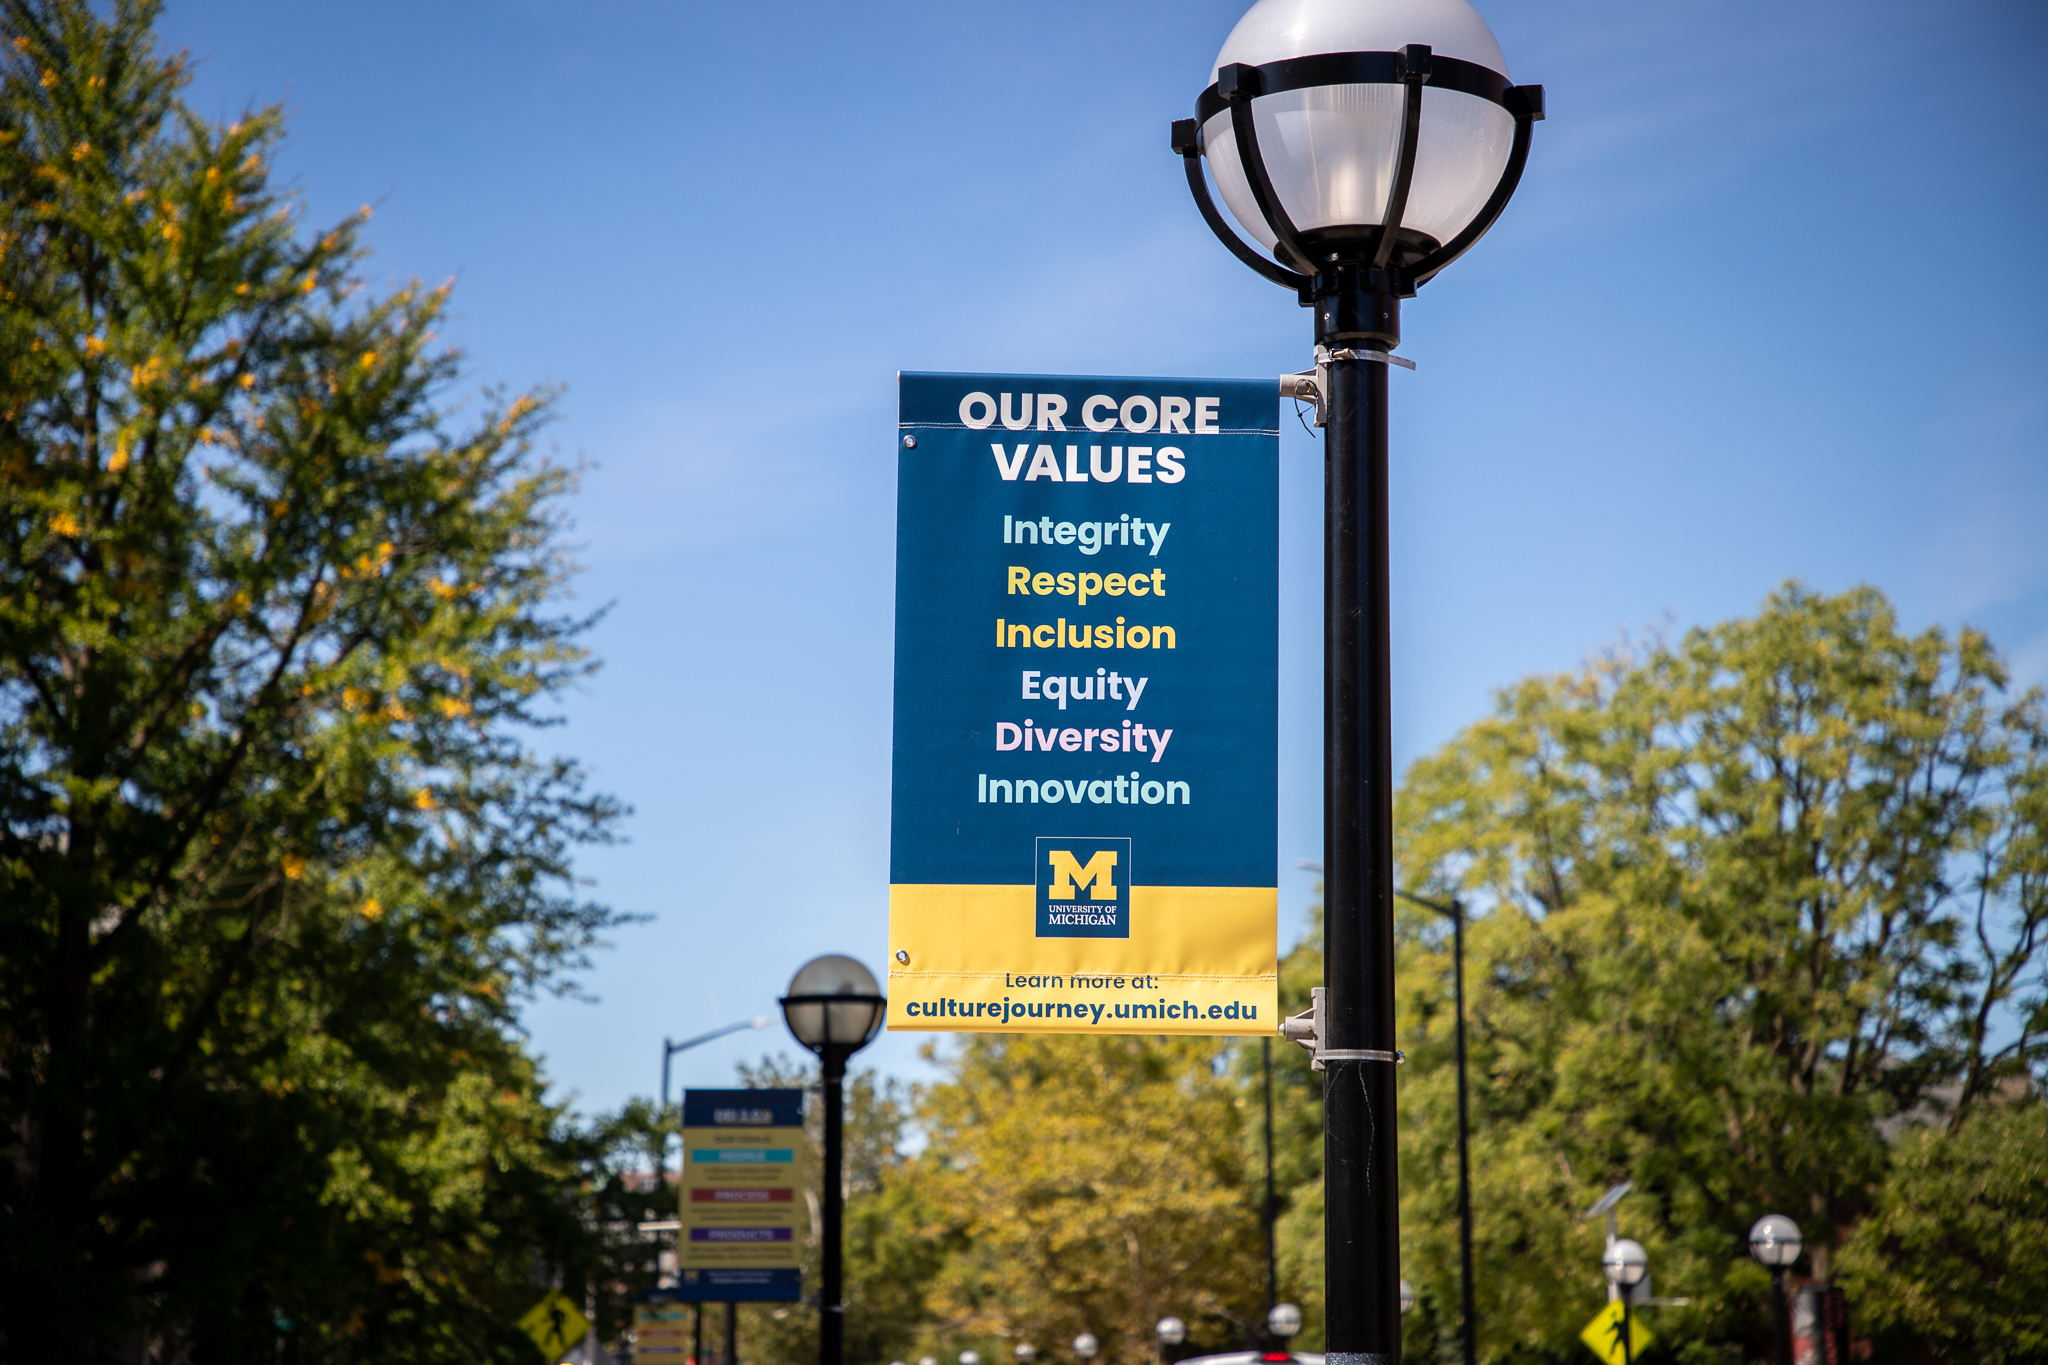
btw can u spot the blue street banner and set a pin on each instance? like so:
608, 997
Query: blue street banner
1083, 826
742, 1193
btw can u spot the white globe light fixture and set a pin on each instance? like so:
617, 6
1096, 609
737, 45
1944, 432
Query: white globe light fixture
833, 1002
970, 1358
1362, 146
1625, 1262
834, 1006
1775, 1241
1085, 1346
1407, 1298
1025, 1352
1284, 1321
1382, 134
1170, 1331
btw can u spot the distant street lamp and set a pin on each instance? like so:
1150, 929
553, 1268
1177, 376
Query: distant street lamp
1625, 1263
1025, 1352
834, 1007
668, 1050
1171, 1332
1365, 147
1407, 1298
1085, 1346
1454, 909
1284, 1321
970, 1358
1775, 1242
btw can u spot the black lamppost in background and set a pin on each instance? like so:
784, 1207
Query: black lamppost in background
1775, 1242
1085, 1347
1283, 1320
1171, 1332
1366, 146
1270, 1209
1469, 1326
668, 1050
1625, 1263
834, 1007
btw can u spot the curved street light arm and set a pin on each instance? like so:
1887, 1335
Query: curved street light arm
1525, 102
1454, 910
1412, 66
1187, 140
1239, 83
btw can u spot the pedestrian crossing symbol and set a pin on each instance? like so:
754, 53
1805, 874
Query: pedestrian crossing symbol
556, 1325
1603, 1335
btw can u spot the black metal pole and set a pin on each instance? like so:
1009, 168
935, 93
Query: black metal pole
697, 1338
732, 1335
1470, 1331
1272, 1264
831, 1310
1628, 1345
1361, 1227
1781, 1318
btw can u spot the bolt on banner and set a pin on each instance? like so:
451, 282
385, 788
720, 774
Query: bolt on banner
1084, 818
742, 1188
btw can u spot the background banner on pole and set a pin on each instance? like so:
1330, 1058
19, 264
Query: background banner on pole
1086, 733
743, 1189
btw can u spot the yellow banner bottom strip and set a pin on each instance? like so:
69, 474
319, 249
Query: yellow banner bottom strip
1199, 960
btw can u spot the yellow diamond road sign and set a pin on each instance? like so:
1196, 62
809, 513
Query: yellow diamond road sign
555, 1324
1603, 1334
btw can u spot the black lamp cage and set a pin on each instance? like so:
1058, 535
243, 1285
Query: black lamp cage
1337, 269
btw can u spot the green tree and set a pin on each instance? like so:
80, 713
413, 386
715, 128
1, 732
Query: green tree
1739, 898
1953, 1262
1096, 1184
275, 863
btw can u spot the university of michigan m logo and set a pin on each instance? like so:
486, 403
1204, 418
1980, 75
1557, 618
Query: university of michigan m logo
1068, 866
1098, 874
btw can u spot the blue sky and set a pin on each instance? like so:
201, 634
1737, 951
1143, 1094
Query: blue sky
1769, 304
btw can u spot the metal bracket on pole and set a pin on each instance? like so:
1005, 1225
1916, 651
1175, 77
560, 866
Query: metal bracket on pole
1311, 386
1306, 1029
1306, 387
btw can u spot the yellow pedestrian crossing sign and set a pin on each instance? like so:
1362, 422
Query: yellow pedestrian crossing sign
555, 1324
1603, 1334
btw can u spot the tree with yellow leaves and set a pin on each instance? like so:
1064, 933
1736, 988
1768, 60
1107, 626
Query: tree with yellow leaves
1096, 1185
275, 863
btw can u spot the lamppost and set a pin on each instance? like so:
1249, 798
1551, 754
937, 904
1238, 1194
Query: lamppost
1625, 1263
1025, 1353
833, 1008
1469, 1328
1171, 1332
1407, 1297
1283, 1321
668, 1050
1085, 1346
1775, 1241
1367, 145
1268, 1211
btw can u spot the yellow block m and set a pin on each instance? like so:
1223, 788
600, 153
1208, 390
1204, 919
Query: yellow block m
1067, 870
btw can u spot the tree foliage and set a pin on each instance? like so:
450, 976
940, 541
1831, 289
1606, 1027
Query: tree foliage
276, 863
1742, 902
1952, 1264
1097, 1184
